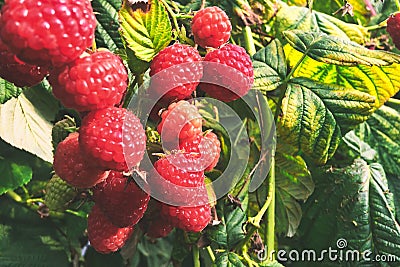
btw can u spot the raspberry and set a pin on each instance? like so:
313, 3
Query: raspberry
71, 166
47, 32
59, 194
211, 27
183, 71
121, 200
18, 72
205, 148
193, 219
393, 28
154, 224
232, 78
103, 235
91, 82
109, 136
175, 179
182, 120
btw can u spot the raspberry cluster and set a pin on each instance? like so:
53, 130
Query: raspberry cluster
225, 73
393, 28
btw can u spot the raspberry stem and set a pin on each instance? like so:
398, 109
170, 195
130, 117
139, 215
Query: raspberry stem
196, 256
249, 41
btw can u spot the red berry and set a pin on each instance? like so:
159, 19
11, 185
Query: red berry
182, 72
211, 27
205, 148
113, 137
393, 28
180, 121
91, 82
103, 235
48, 31
176, 180
18, 72
159, 228
121, 200
229, 75
72, 167
192, 219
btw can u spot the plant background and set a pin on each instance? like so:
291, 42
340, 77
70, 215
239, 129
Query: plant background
337, 161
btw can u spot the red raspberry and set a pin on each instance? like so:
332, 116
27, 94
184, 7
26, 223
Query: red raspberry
181, 121
113, 137
176, 180
232, 78
154, 224
393, 28
211, 27
90, 82
183, 71
72, 167
18, 72
103, 235
205, 148
48, 31
192, 219
121, 200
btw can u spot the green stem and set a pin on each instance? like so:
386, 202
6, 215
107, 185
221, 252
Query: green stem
393, 101
271, 213
249, 41
397, 4
376, 27
14, 196
211, 253
196, 256
172, 14
183, 16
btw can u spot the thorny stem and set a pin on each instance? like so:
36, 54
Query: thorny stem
172, 14
271, 212
196, 256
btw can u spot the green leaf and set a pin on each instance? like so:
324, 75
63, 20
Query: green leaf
353, 203
28, 240
269, 67
13, 175
293, 184
307, 124
145, 33
334, 50
382, 82
26, 122
229, 232
228, 259
301, 18
8, 90
107, 34
349, 107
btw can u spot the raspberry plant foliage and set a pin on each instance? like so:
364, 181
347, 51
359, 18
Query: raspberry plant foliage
334, 172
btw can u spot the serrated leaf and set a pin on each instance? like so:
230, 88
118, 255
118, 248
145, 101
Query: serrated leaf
301, 18
8, 90
13, 175
26, 122
293, 184
228, 259
269, 67
334, 50
307, 124
349, 107
382, 82
356, 202
146, 33
107, 34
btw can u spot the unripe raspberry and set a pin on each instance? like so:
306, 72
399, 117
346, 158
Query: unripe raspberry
47, 32
176, 71
59, 194
93, 81
211, 27
228, 73
71, 165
